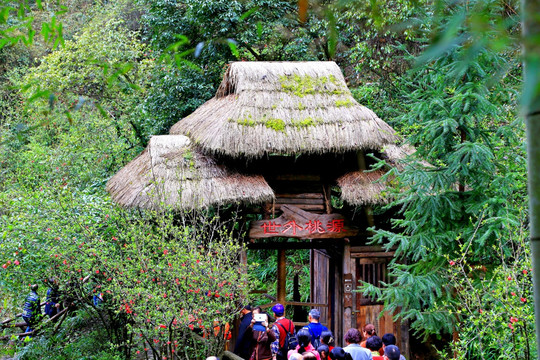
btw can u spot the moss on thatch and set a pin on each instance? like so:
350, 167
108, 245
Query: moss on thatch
360, 188
284, 108
170, 173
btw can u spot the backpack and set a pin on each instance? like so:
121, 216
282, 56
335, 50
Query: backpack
290, 342
316, 334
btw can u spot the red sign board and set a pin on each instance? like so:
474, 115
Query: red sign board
297, 223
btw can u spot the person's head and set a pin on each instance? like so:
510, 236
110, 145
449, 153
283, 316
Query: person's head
338, 353
308, 355
278, 310
391, 352
369, 330
257, 310
323, 351
296, 356
314, 315
304, 339
246, 309
327, 338
352, 336
374, 343
34, 287
388, 339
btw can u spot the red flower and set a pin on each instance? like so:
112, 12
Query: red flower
97, 271
513, 293
525, 272
523, 300
16, 262
480, 311
509, 278
165, 252
513, 319
163, 326
4, 266
511, 326
452, 262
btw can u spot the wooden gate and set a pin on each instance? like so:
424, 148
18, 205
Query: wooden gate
320, 290
373, 270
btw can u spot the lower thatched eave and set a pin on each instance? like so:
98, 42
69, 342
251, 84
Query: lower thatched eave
359, 188
171, 173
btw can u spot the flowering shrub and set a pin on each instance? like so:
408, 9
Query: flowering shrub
496, 312
169, 282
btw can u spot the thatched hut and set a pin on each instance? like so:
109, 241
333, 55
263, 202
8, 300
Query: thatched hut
171, 173
290, 137
284, 108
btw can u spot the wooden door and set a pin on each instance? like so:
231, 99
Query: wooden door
320, 289
373, 270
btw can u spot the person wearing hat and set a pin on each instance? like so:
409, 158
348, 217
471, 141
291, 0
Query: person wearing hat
241, 347
391, 352
32, 308
338, 353
282, 326
390, 339
261, 337
314, 327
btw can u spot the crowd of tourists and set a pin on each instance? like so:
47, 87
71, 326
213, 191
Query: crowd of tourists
258, 340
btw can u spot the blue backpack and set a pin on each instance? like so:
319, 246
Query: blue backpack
315, 330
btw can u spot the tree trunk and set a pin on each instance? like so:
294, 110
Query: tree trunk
531, 103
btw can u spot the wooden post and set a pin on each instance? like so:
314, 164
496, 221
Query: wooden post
282, 276
347, 311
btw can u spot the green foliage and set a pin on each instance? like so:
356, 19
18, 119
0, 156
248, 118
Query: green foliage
460, 111
88, 65
78, 338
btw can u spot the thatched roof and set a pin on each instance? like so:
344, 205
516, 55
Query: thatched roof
170, 172
284, 107
362, 188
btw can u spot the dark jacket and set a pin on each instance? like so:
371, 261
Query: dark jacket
260, 343
243, 343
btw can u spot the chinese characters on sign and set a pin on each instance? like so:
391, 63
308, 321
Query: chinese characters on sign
312, 227
297, 223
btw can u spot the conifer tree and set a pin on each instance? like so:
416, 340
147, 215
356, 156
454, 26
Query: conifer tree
459, 192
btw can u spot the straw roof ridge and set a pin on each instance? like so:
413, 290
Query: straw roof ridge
171, 172
283, 108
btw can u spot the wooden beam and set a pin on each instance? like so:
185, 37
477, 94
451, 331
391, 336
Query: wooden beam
301, 196
372, 254
282, 276
309, 207
300, 201
293, 245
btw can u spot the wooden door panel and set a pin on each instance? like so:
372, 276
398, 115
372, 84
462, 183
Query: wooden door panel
373, 270
369, 314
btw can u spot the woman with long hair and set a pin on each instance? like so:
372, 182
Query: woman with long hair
304, 345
